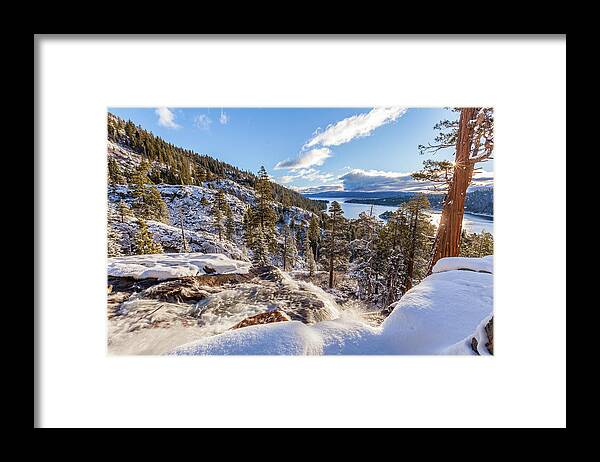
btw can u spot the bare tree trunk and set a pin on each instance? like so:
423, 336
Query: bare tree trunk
284, 252
447, 241
411, 257
183, 241
331, 251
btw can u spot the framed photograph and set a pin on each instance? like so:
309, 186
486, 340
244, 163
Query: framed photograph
353, 220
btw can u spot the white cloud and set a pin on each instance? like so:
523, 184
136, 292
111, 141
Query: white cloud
308, 174
357, 126
305, 159
318, 189
285, 179
378, 180
166, 117
223, 118
202, 121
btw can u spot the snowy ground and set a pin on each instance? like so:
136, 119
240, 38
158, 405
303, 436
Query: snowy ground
174, 265
438, 316
184, 204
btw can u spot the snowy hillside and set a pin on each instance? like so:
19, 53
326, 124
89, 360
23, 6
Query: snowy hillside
439, 316
185, 204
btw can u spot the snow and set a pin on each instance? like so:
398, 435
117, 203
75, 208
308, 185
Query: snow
483, 264
199, 228
174, 265
280, 338
445, 308
438, 316
464, 346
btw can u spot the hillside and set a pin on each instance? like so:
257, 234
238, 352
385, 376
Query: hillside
129, 144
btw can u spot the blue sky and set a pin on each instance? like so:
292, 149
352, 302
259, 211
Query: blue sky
308, 149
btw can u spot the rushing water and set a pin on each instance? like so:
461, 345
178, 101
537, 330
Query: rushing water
472, 223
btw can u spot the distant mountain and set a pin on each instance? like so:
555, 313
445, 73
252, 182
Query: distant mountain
480, 201
359, 194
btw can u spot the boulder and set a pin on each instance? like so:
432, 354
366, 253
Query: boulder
263, 318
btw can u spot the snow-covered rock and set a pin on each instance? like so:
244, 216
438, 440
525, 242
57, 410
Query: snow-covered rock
202, 305
439, 316
483, 264
444, 309
174, 265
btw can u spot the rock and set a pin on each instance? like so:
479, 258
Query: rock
209, 270
267, 273
489, 330
191, 288
263, 318
474, 344
130, 285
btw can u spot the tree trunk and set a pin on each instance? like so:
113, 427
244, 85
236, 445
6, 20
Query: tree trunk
410, 268
284, 252
331, 250
447, 240
183, 241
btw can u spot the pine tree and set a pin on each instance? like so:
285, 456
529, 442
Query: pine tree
366, 266
144, 242
289, 250
260, 251
335, 242
418, 241
476, 245
148, 203
218, 210
300, 232
123, 210
263, 216
248, 227
310, 258
472, 137
314, 235
229, 223
115, 176
114, 242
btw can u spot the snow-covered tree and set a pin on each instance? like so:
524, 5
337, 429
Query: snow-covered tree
476, 245
148, 203
218, 210
335, 245
309, 257
114, 242
289, 249
314, 235
115, 176
264, 214
260, 256
123, 210
229, 223
248, 230
144, 241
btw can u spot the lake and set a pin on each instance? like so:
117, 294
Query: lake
471, 223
